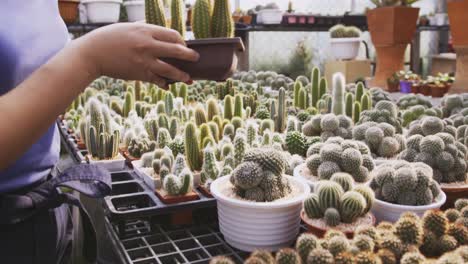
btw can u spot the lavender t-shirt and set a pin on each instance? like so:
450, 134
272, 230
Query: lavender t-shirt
31, 32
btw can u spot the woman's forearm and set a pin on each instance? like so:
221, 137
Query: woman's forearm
27, 111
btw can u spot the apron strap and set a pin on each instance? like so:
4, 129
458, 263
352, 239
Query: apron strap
88, 179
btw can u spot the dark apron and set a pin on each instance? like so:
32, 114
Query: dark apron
35, 223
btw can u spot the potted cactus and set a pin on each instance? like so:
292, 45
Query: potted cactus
333, 156
345, 42
213, 28
402, 186
336, 204
391, 25
458, 21
258, 206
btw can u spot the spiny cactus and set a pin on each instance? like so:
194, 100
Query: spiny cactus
328, 125
338, 101
177, 19
221, 260
320, 256
287, 256
222, 24
240, 146
264, 255
296, 143
192, 149
305, 244
209, 168
154, 13
201, 19
381, 139
139, 146
315, 80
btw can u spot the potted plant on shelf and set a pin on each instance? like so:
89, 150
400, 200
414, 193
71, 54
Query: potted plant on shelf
259, 206
406, 81
135, 10
337, 205
102, 11
402, 186
392, 25
215, 42
458, 21
69, 10
345, 42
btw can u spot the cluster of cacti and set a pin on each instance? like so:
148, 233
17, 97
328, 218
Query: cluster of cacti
328, 125
462, 135
431, 125
416, 112
460, 118
378, 95
336, 201
383, 112
441, 152
260, 176
454, 103
409, 100
405, 183
381, 139
357, 102
176, 185
339, 155
341, 31
212, 21
140, 146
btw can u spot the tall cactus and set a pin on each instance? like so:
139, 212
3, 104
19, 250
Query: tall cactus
169, 103
349, 104
356, 112
212, 106
240, 146
177, 18
366, 103
200, 116
323, 87
154, 12
297, 88
338, 102
280, 120
359, 91
222, 24
193, 154
201, 19
137, 90
228, 107
129, 104
183, 92
302, 99
238, 105
315, 79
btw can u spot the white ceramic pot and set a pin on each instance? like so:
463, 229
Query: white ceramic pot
113, 165
102, 11
384, 211
250, 225
345, 48
269, 16
135, 10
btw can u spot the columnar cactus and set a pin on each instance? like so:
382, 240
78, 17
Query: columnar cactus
222, 24
228, 108
192, 150
178, 185
209, 168
154, 13
238, 106
240, 146
280, 119
338, 101
129, 104
315, 80
177, 18
201, 19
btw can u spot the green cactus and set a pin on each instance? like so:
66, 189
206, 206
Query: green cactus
222, 24
238, 106
302, 100
154, 13
240, 146
305, 244
352, 205
409, 231
221, 260
363, 242
264, 255
338, 244
345, 180
297, 87
280, 119
209, 167
200, 116
366, 103
287, 256
338, 101
320, 256
349, 105
212, 106
192, 150
323, 87
312, 207
436, 222
247, 175
201, 19
359, 91
177, 19
329, 194
315, 80
228, 107
296, 143
332, 217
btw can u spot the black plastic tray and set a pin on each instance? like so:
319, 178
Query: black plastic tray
132, 199
69, 142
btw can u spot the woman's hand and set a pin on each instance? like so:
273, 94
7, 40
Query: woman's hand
132, 50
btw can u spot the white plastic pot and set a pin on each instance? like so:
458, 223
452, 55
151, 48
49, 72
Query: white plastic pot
345, 48
384, 211
151, 182
250, 225
135, 10
270, 16
102, 11
113, 165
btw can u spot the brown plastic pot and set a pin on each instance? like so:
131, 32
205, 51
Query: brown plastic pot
320, 232
218, 59
438, 91
246, 20
415, 88
453, 194
425, 89
169, 199
391, 29
393, 87
69, 10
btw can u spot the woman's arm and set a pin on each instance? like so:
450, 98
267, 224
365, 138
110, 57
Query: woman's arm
127, 51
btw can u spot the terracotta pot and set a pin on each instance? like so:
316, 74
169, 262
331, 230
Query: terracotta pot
169, 199
246, 20
415, 88
458, 21
438, 91
69, 10
218, 59
291, 19
236, 18
320, 232
391, 29
425, 89
393, 87
453, 194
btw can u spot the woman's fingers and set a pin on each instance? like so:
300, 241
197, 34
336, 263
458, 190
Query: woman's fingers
169, 50
166, 35
165, 70
157, 80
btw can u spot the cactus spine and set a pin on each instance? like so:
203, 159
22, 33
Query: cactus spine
154, 12
338, 102
222, 24
201, 19
129, 104
177, 19
192, 150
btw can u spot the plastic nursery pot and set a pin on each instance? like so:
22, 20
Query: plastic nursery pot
415, 88
112, 165
218, 59
69, 10
438, 91
405, 86
135, 10
384, 211
425, 90
453, 193
345, 48
183, 217
347, 229
249, 225
152, 182
102, 11
393, 86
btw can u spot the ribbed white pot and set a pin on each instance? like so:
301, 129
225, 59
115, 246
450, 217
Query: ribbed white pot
135, 10
345, 48
250, 225
102, 11
384, 211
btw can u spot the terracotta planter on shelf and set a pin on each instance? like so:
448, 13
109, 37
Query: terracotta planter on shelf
246, 20
458, 22
69, 10
391, 29
438, 91
425, 89
393, 87
415, 87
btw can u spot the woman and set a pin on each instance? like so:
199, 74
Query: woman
40, 75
